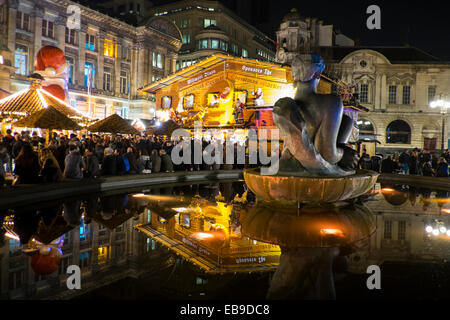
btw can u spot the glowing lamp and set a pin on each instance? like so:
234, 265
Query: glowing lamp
442, 229
445, 211
332, 232
387, 190
202, 235
429, 229
435, 232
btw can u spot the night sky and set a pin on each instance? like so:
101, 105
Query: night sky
424, 24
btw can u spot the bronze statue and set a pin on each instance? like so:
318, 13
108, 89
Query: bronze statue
313, 126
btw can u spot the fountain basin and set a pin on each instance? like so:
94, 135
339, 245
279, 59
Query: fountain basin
313, 190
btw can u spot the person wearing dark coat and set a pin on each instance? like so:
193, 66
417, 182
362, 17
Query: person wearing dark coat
427, 169
388, 165
442, 168
27, 165
132, 160
92, 165
413, 164
156, 161
74, 163
109, 165
167, 165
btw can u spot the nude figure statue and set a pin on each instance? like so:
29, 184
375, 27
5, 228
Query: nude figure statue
313, 126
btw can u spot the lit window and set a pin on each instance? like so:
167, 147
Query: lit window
431, 93
109, 48
204, 44
186, 38
157, 60
223, 45
215, 44
125, 52
388, 229
47, 29
209, 22
90, 42
21, 59
406, 95
235, 49
244, 53
185, 23
89, 75
70, 69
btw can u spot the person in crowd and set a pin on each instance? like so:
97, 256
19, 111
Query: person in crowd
27, 166
74, 164
427, 169
109, 164
166, 161
404, 161
131, 157
442, 168
92, 164
50, 170
156, 161
413, 163
4, 159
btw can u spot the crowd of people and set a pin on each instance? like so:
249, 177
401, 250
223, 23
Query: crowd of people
30, 160
414, 162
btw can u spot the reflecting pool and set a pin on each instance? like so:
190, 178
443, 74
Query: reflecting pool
215, 241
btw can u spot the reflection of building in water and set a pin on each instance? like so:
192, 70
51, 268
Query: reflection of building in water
208, 235
401, 234
104, 256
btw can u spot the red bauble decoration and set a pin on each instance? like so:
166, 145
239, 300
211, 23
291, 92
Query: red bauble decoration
50, 56
45, 264
55, 90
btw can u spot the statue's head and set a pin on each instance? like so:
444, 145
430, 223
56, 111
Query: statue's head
306, 67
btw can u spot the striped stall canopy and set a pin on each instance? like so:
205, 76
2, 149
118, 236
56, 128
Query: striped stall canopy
29, 101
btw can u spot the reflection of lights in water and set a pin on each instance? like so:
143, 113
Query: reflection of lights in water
448, 233
139, 195
435, 232
429, 229
202, 235
387, 190
181, 210
334, 232
442, 229
445, 211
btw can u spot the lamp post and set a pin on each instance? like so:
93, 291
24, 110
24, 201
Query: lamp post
444, 104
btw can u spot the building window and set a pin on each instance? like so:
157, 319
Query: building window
214, 44
398, 131
71, 68
401, 230
364, 93
109, 48
90, 42
185, 23
388, 229
70, 36
392, 94
209, 22
123, 82
431, 93
204, 44
125, 52
406, 95
21, 59
89, 75
23, 21
157, 60
47, 29
187, 38
224, 45
138, 8
244, 53
107, 79
235, 48
124, 112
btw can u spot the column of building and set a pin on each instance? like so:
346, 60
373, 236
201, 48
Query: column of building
60, 32
12, 28
39, 15
100, 59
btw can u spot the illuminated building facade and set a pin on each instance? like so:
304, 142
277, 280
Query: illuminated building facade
108, 59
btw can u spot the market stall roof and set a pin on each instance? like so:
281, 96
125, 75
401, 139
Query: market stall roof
200, 66
33, 99
165, 128
113, 124
48, 118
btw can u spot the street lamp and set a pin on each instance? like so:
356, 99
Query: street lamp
444, 105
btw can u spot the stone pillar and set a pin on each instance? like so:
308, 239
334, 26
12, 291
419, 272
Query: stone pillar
79, 75
37, 37
377, 100
12, 31
384, 92
60, 32
100, 59
117, 69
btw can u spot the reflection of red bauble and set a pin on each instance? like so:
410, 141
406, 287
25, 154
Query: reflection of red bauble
45, 264
55, 90
50, 56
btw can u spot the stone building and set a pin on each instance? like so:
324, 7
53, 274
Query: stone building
110, 56
396, 84
209, 27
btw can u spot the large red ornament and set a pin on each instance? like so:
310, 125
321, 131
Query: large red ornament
46, 264
55, 90
50, 56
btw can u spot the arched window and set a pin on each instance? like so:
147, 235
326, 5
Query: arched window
365, 127
398, 131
